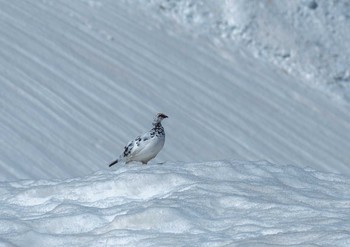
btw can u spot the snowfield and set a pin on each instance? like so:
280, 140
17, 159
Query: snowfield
257, 140
79, 79
218, 203
303, 37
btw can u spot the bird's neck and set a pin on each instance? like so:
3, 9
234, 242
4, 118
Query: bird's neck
157, 125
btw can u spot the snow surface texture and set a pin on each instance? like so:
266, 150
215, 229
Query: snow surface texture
180, 204
307, 38
78, 79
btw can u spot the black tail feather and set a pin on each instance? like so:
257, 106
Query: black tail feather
113, 163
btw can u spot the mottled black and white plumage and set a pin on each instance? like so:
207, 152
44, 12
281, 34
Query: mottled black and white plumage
145, 147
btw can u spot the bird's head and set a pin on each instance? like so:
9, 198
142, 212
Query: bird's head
158, 118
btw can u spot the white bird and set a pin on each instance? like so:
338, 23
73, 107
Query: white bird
145, 147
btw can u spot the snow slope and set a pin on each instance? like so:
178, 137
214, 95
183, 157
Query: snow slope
180, 204
79, 79
306, 38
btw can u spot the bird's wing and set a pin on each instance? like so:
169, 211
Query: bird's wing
137, 145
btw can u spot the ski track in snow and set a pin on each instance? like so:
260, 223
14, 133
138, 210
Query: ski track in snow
180, 204
79, 79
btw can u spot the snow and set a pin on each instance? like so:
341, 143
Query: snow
306, 38
180, 204
266, 84
80, 78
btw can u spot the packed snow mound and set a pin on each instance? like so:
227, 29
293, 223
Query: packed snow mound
180, 204
306, 38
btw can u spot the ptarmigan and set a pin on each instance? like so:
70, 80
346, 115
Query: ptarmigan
147, 146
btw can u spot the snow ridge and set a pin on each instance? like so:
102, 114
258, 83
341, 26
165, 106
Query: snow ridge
180, 204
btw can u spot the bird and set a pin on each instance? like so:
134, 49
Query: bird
145, 147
